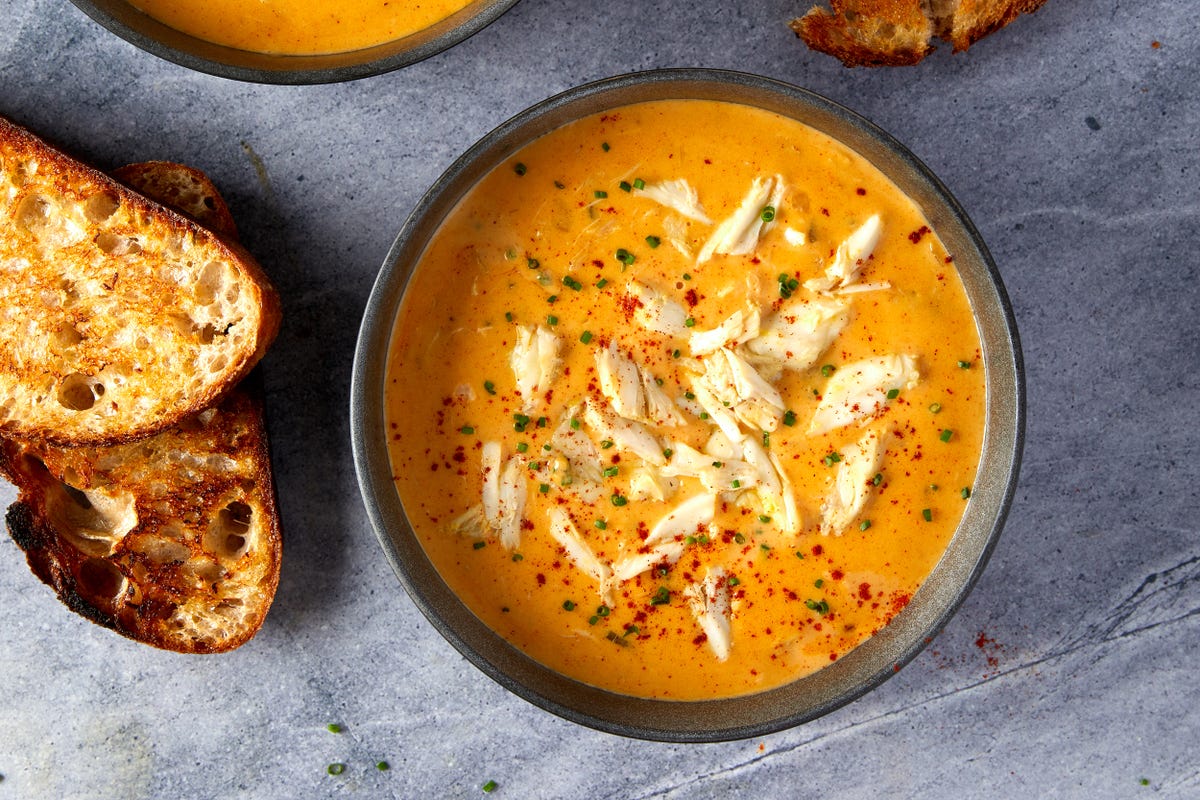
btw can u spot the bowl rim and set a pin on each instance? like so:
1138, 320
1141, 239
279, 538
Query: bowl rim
858, 671
147, 33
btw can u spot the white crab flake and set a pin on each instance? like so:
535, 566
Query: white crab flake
688, 518
716, 474
656, 312
795, 336
738, 234
849, 258
632, 390
852, 486
709, 602
626, 434
566, 534
678, 195
583, 459
676, 232
859, 390
535, 363
737, 328
740, 391
633, 565
502, 504
648, 483
794, 237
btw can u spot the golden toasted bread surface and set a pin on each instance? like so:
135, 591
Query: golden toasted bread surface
172, 540
183, 188
120, 317
874, 33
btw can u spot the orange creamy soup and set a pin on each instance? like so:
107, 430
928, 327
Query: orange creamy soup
685, 400
300, 27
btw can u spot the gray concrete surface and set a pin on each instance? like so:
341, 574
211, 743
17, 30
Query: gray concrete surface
1069, 672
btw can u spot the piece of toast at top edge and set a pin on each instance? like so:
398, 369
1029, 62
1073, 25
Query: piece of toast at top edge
875, 33
172, 540
120, 317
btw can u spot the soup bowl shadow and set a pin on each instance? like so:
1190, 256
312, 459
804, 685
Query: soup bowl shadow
125, 20
808, 697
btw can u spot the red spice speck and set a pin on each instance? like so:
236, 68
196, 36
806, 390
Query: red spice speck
860, 191
919, 234
837, 575
864, 591
1156, 44
692, 298
541, 579
817, 550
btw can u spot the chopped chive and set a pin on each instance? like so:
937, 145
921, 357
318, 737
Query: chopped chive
600, 284
676, 353
718, 464
893, 394
517, 557
519, 168
658, 381
689, 540
661, 597
733, 581
543, 488
653, 241
489, 787
619, 500
964, 365
479, 545
600, 194
821, 606
547, 447
466, 429
827, 370
611, 472
542, 421
586, 337
819, 582
508, 317
510, 254
625, 186
605, 444
946, 435
703, 415
604, 146
575, 423
383, 766
768, 213
571, 283
533, 263
638, 183
736, 484
933, 487
489, 387
566, 481
668, 452
927, 514
935, 408
602, 611
832, 458
568, 605
552, 299
687, 276
739, 538
966, 492
559, 185
601, 525
763, 518
799, 555
864, 525
690, 395
624, 256
336, 769
766, 548
766, 439
789, 418
631, 630
333, 727
690, 322
592, 620
878, 479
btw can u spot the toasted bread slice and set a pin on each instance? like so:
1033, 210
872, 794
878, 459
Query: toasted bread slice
875, 33
172, 540
120, 317
183, 188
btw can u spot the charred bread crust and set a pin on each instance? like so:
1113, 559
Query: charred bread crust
140, 538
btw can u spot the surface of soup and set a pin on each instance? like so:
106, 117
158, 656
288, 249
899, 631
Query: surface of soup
300, 27
685, 400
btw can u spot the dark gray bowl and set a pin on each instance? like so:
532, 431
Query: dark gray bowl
864, 667
167, 43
